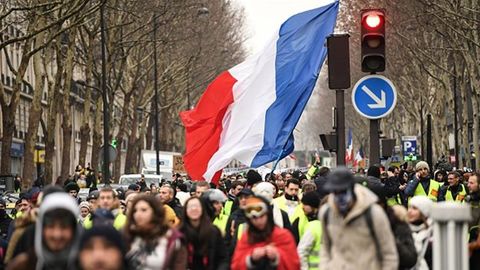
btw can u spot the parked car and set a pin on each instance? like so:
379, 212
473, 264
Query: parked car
128, 179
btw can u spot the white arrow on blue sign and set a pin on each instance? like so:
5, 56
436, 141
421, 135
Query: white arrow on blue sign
374, 96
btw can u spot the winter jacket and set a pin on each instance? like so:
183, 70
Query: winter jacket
167, 253
45, 259
344, 237
282, 239
422, 235
217, 257
407, 253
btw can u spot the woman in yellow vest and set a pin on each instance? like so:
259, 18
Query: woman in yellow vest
309, 246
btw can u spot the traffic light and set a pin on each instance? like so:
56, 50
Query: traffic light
373, 40
114, 143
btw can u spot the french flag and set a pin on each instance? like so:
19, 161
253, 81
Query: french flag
249, 112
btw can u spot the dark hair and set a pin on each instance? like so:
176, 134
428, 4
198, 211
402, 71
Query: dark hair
374, 171
197, 237
293, 181
235, 184
158, 220
323, 171
182, 187
255, 235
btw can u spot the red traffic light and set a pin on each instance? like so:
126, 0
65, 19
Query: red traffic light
373, 21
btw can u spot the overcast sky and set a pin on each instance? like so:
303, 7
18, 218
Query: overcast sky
264, 16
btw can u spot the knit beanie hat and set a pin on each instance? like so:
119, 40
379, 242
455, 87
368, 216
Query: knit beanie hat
106, 232
311, 199
421, 165
85, 205
423, 204
72, 186
265, 189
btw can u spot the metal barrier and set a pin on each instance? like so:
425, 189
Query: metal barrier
450, 230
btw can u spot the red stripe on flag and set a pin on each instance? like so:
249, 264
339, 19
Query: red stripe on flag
203, 125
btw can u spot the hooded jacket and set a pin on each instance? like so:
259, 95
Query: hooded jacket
45, 258
39, 257
344, 237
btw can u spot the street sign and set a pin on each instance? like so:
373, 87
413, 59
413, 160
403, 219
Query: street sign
374, 96
409, 144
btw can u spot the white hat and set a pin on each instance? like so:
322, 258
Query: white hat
421, 165
265, 189
423, 204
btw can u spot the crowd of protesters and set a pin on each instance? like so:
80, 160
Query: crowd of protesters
321, 219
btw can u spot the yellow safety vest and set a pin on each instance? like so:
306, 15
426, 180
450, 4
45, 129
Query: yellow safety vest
432, 190
221, 223
242, 228
281, 203
227, 209
118, 223
460, 196
315, 228
395, 200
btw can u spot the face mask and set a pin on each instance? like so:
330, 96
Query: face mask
343, 200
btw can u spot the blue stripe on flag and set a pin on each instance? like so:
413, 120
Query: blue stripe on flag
301, 51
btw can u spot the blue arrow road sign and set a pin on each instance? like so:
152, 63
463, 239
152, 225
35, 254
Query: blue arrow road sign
374, 96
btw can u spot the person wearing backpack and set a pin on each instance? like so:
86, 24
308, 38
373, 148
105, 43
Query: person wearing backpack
356, 231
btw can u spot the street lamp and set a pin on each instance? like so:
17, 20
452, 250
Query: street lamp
201, 13
155, 74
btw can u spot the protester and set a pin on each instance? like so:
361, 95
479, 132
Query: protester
56, 240
206, 249
473, 199
167, 196
151, 243
237, 221
421, 184
101, 248
200, 188
264, 245
84, 212
108, 200
454, 190
280, 217
351, 221
213, 200
418, 217
309, 245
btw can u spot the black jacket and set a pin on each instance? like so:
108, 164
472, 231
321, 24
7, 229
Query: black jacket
217, 257
405, 245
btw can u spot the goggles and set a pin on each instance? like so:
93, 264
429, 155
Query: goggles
256, 210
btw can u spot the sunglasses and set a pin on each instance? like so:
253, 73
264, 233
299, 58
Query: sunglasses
255, 211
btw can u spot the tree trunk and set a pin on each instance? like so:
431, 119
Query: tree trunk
54, 99
121, 133
8, 111
85, 128
33, 121
67, 111
97, 136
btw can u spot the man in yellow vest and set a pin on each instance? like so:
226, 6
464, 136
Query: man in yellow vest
107, 200
290, 203
309, 246
422, 184
230, 204
454, 191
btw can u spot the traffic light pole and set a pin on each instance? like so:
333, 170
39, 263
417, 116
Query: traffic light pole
340, 117
374, 155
